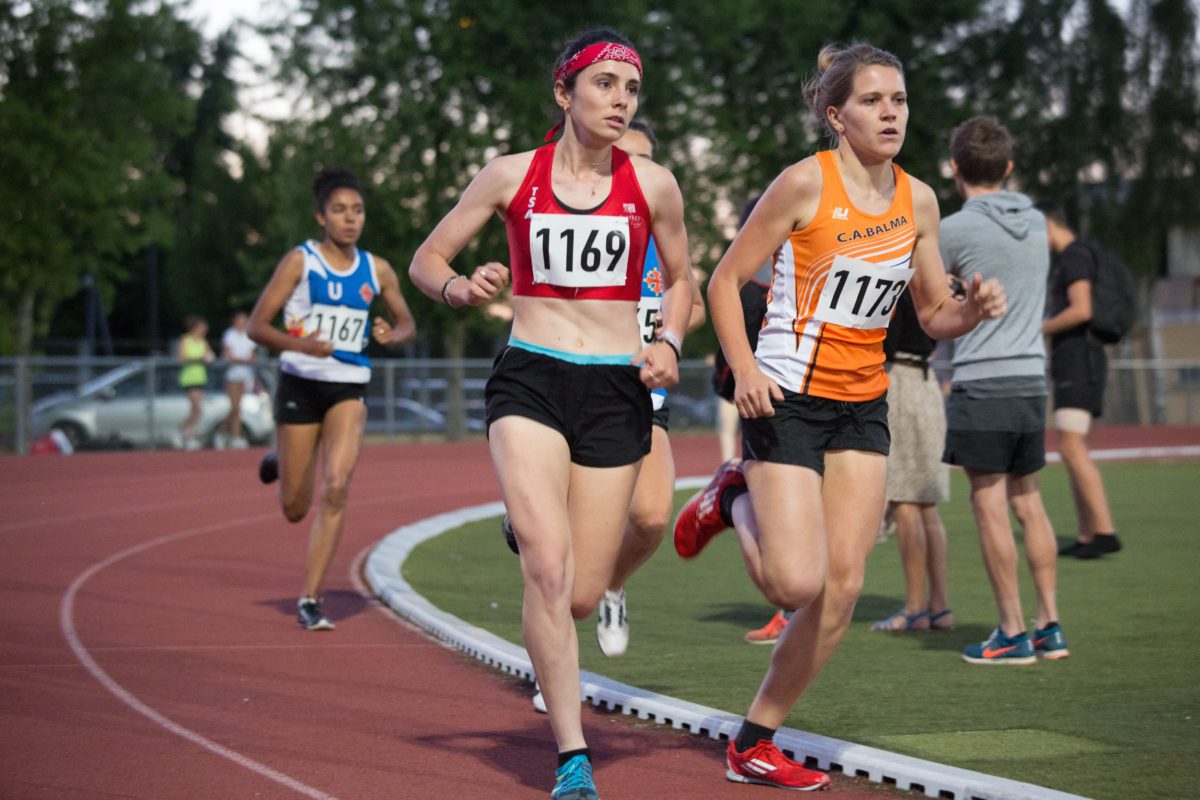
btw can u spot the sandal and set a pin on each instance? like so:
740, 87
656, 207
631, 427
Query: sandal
933, 618
911, 622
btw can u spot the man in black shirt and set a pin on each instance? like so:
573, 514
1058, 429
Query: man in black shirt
1078, 369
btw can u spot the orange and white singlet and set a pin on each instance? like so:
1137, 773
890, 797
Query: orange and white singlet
834, 289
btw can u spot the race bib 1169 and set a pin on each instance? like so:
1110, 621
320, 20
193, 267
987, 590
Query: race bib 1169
342, 326
859, 294
579, 251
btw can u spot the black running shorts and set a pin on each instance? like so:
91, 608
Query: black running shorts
804, 428
602, 410
303, 401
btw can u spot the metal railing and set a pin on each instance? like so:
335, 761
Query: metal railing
411, 397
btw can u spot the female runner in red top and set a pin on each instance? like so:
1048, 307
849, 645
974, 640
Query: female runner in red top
568, 403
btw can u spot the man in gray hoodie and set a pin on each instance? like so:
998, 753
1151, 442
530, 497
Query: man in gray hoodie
997, 412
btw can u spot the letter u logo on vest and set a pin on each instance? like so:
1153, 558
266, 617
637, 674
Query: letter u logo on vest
335, 291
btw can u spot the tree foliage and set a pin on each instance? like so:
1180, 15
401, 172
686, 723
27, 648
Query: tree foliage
88, 95
116, 154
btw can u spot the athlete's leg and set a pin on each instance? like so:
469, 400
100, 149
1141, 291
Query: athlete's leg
989, 502
599, 509
341, 440
296, 445
649, 510
533, 464
782, 532
1041, 550
728, 425
850, 505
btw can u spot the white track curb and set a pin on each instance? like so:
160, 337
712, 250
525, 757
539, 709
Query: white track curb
934, 780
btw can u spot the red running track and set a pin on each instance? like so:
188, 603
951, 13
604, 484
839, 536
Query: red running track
149, 647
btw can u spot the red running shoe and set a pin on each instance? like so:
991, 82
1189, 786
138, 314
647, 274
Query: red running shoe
700, 519
764, 764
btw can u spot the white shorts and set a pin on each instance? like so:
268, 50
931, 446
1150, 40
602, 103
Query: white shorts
240, 373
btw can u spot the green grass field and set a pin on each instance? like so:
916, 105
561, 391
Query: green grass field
1119, 718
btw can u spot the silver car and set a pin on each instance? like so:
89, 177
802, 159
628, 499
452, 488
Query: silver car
115, 410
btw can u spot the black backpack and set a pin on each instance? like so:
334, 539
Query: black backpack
1114, 296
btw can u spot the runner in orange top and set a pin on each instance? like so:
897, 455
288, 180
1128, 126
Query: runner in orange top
850, 232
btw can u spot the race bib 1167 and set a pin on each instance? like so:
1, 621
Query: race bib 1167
342, 326
859, 294
579, 251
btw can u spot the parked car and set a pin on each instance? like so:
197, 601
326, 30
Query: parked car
114, 410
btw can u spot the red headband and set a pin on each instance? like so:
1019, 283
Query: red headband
592, 54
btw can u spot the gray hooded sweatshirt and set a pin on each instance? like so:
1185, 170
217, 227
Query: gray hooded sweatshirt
1001, 235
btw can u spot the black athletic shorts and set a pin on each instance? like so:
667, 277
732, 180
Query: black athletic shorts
662, 416
805, 427
1078, 372
303, 401
996, 434
602, 410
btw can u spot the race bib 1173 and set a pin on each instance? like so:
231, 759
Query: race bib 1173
579, 251
859, 294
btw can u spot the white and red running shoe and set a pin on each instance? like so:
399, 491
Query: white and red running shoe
700, 520
764, 764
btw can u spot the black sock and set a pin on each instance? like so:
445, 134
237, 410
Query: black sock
566, 756
1047, 626
727, 497
750, 735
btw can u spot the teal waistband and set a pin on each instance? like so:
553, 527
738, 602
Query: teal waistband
573, 358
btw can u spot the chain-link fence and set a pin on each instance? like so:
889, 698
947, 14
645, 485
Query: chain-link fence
105, 403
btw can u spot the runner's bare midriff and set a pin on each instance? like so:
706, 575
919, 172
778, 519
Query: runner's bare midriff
592, 327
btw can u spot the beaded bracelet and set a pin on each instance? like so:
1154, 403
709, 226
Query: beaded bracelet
446, 289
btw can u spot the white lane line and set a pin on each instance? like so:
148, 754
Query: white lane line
1135, 453
67, 623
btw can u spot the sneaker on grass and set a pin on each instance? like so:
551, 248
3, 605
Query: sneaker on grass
764, 764
1000, 649
612, 625
769, 633
1049, 643
700, 520
510, 536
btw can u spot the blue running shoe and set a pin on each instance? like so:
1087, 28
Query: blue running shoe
1049, 643
573, 781
1001, 649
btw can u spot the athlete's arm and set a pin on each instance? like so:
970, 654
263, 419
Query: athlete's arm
259, 328
489, 193
403, 327
789, 203
660, 367
1077, 312
942, 316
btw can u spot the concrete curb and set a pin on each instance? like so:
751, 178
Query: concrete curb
382, 572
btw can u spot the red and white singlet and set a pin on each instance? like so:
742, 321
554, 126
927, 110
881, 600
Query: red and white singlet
578, 254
